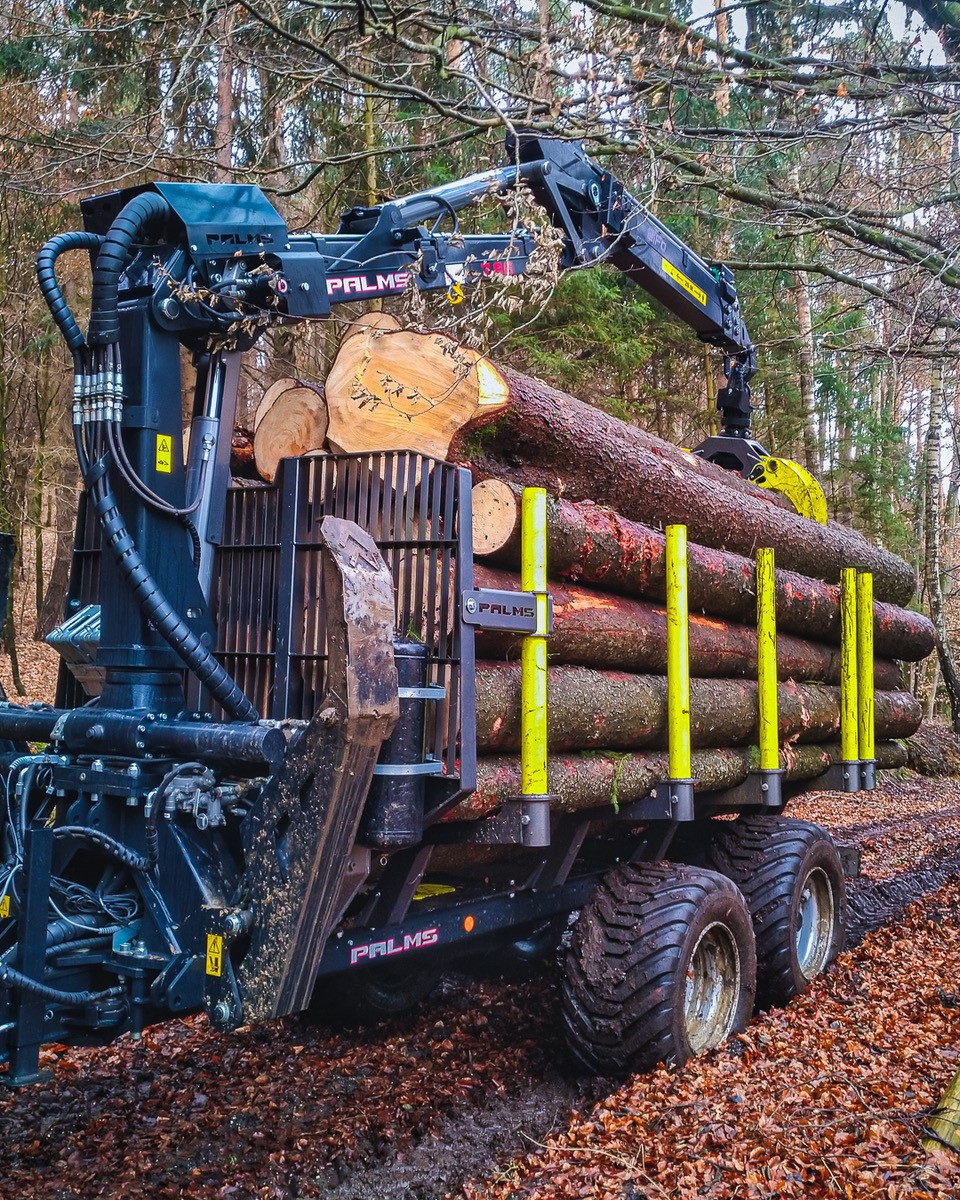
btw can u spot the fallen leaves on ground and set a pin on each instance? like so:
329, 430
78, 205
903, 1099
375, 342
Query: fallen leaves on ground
828, 1098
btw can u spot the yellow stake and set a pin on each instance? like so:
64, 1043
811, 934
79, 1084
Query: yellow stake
678, 654
767, 699
865, 665
533, 652
849, 717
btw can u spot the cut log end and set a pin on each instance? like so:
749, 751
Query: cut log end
295, 424
495, 516
407, 391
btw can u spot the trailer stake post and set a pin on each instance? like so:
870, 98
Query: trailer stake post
849, 716
677, 791
865, 682
534, 791
768, 738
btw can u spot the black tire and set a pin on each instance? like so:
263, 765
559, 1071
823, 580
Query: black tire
791, 876
661, 967
372, 994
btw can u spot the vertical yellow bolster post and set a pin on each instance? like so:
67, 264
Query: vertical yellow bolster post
767, 698
534, 793
849, 716
865, 681
678, 654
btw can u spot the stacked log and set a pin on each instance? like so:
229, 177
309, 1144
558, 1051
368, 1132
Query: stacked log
613, 488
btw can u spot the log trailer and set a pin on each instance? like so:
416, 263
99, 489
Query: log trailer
266, 701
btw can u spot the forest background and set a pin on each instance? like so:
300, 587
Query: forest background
814, 148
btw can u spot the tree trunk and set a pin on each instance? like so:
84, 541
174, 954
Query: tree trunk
599, 629
51, 612
932, 566
549, 440
579, 781
618, 711
592, 544
507, 424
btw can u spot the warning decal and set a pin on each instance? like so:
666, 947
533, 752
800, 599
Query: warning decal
4, 906
687, 284
164, 453
214, 954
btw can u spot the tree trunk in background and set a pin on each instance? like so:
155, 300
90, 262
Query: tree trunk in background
806, 360
223, 132
932, 548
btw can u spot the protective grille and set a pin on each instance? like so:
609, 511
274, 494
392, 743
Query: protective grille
268, 600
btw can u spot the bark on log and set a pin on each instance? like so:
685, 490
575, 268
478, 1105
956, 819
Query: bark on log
538, 435
589, 543
613, 710
580, 781
294, 423
545, 438
242, 464
600, 629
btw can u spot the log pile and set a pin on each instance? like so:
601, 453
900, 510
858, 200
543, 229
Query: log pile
612, 490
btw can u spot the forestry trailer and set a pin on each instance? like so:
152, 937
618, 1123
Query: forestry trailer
265, 707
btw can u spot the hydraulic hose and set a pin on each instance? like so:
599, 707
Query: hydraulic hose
47, 279
113, 257
155, 606
117, 850
23, 983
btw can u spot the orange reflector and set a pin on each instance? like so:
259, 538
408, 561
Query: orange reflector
468, 924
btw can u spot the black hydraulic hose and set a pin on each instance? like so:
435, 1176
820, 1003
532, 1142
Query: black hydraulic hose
123, 854
23, 983
63, 931
113, 257
47, 279
150, 835
155, 606
80, 944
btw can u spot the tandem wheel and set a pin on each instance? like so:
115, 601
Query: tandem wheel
792, 879
661, 967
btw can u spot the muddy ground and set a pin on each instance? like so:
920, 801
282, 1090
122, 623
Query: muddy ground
450, 1101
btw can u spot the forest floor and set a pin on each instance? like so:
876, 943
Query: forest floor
469, 1097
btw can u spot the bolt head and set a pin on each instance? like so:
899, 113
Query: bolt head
222, 1011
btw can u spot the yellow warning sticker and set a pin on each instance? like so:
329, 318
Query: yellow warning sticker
427, 890
4, 906
164, 453
687, 284
214, 954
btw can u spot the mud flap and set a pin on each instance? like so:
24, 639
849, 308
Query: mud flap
300, 833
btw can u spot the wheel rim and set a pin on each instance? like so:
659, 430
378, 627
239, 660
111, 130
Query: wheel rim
713, 988
815, 927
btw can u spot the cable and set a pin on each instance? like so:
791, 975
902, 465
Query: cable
150, 835
114, 253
